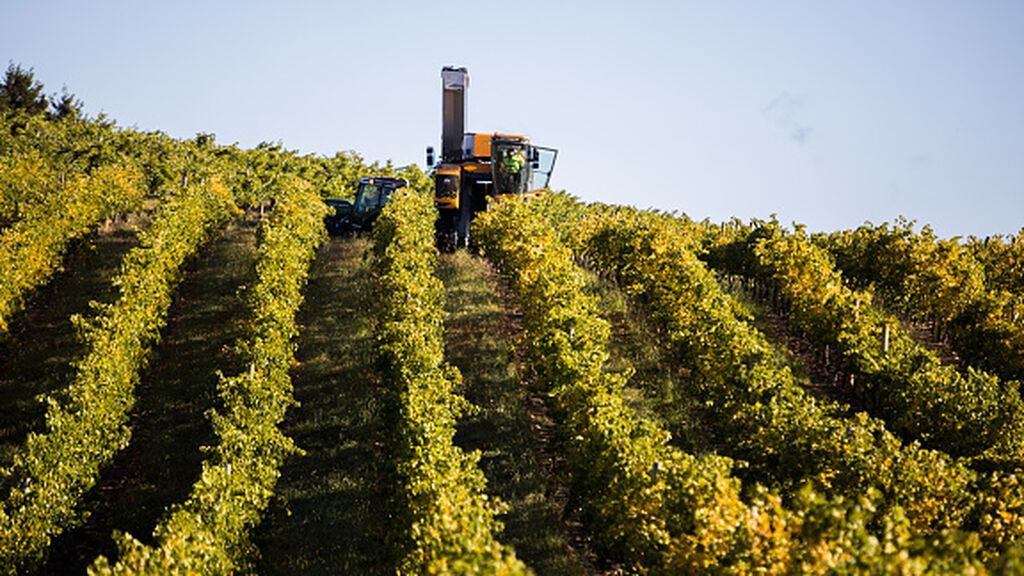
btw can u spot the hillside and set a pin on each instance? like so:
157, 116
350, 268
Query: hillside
195, 377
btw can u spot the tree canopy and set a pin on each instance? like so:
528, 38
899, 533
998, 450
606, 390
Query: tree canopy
21, 91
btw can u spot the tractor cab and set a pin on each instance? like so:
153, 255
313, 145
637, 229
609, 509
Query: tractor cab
372, 195
519, 167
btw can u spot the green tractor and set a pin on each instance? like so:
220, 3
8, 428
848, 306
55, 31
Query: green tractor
371, 197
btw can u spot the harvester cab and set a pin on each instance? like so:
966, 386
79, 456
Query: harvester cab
475, 167
372, 195
519, 167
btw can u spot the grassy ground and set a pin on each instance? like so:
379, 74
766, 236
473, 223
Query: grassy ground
35, 358
168, 422
805, 359
328, 516
658, 387
511, 428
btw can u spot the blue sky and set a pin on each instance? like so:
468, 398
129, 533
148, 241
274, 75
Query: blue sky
827, 113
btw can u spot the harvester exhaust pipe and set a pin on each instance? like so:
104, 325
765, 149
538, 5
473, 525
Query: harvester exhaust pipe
455, 81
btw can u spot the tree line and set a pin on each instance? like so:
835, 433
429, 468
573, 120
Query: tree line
21, 91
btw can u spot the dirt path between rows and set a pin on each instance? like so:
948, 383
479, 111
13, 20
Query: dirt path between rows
168, 422
512, 429
329, 515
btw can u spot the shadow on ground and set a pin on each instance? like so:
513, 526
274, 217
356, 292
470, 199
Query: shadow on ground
36, 356
328, 516
168, 422
509, 430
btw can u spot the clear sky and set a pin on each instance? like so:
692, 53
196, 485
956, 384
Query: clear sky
828, 113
